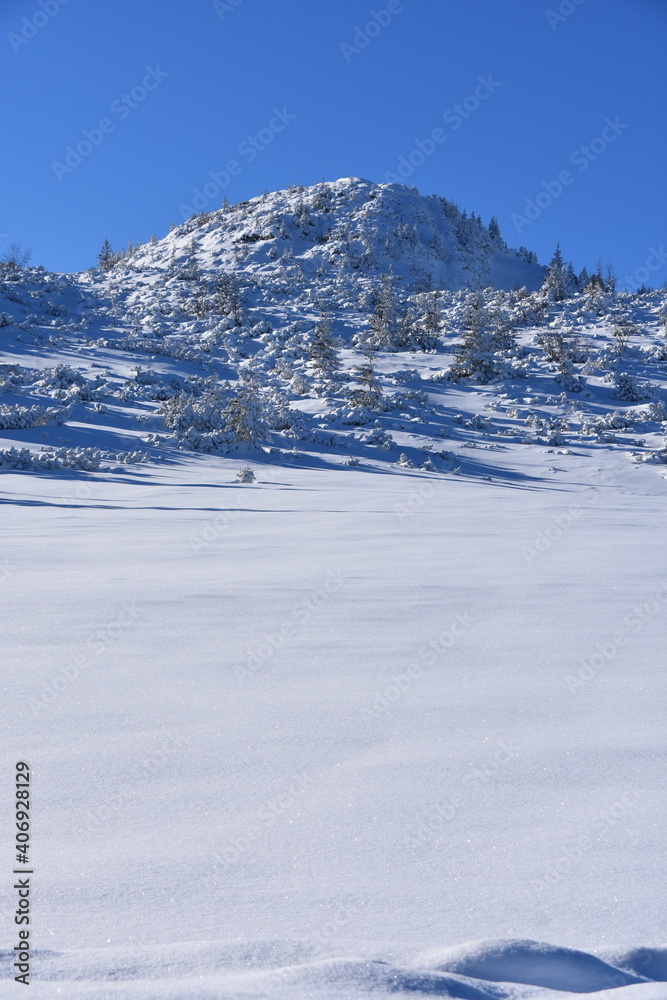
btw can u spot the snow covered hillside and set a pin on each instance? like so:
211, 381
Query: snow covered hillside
333, 612
357, 318
317, 237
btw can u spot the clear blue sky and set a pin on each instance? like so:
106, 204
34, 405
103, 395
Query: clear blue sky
552, 82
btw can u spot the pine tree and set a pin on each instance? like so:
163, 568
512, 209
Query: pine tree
383, 321
523, 253
228, 298
105, 257
429, 324
245, 415
191, 271
476, 356
555, 281
407, 331
494, 230
572, 281
322, 350
595, 282
370, 393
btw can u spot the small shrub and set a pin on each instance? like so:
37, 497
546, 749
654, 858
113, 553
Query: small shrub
246, 475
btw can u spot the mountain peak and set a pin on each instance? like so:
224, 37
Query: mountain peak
345, 232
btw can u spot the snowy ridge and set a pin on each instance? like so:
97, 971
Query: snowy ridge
192, 343
350, 229
484, 970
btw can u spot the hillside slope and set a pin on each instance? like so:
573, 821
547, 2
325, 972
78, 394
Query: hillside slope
332, 617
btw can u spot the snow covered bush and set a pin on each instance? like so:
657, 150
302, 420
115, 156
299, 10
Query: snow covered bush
84, 459
197, 422
598, 362
622, 332
390, 327
10, 378
656, 412
22, 417
369, 396
14, 458
485, 353
429, 323
228, 298
655, 457
561, 345
163, 348
379, 437
245, 474
629, 390
354, 416
145, 376
568, 379
126, 457
245, 414
299, 386
409, 399
323, 348
282, 417
218, 418
66, 383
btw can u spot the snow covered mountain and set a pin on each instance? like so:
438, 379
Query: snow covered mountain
351, 228
332, 593
334, 315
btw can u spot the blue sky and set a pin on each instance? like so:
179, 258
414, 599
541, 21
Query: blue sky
158, 95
